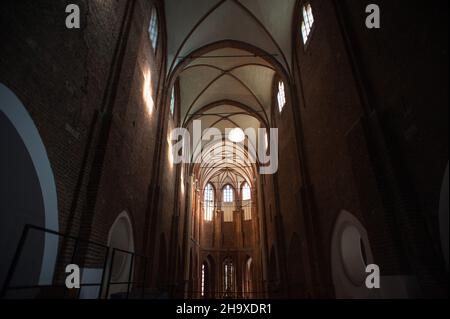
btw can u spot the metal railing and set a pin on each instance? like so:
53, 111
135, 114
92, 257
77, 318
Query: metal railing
107, 264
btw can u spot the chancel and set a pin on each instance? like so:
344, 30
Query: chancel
224, 149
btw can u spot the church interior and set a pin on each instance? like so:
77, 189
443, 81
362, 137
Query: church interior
224, 149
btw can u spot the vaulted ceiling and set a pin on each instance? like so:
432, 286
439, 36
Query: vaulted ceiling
225, 54
266, 24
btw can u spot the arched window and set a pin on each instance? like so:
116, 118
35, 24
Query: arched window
228, 204
247, 202
281, 96
228, 275
246, 193
172, 102
266, 141
307, 22
209, 202
153, 29
228, 195
203, 280
120, 264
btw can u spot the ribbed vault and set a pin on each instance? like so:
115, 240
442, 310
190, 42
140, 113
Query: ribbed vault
265, 24
225, 55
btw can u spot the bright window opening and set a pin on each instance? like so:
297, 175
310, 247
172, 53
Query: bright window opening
246, 193
153, 29
228, 206
307, 23
203, 280
228, 195
266, 141
281, 96
228, 275
172, 102
209, 203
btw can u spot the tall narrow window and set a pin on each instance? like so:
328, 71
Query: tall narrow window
203, 280
246, 193
266, 141
281, 96
307, 22
228, 196
247, 202
209, 202
228, 275
172, 102
228, 204
153, 29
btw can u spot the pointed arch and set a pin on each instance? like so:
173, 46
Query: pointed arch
15, 115
214, 9
221, 44
208, 202
228, 194
215, 80
120, 265
246, 109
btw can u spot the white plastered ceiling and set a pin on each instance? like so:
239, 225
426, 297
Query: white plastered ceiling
227, 87
265, 24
